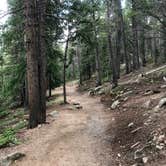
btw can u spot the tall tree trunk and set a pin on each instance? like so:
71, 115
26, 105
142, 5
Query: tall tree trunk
97, 54
111, 55
64, 70
126, 57
142, 46
73, 69
41, 6
79, 64
118, 20
36, 63
32, 62
155, 51
98, 66
136, 63
49, 85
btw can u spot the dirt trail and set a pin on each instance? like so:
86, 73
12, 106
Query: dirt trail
74, 138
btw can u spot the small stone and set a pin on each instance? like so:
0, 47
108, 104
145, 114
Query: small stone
159, 147
163, 86
145, 160
161, 138
125, 99
119, 155
79, 107
101, 92
148, 92
39, 126
98, 88
147, 104
134, 131
125, 109
131, 124
162, 103
135, 145
135, 164
75, 103
127, 93
115, 104
53, 114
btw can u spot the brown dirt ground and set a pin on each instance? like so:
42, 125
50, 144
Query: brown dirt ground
96, 135
74, 138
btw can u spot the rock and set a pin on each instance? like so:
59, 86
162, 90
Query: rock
140, 78
147, 104
148, 92
125, 99
101, 92
137, 129
79, 107
125, 109
115, 104
130, 124
135, 164
91, 93
163, 86
161, 138
156, 109
160, 147
53, 114
8, 160
39, 126
135, 145
119, 155
98, 88
164, 78
127, 93
162, 102
75, 103
145, 160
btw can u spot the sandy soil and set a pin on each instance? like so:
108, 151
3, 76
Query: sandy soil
74, 138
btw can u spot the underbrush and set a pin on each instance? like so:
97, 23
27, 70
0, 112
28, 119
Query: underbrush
11, 122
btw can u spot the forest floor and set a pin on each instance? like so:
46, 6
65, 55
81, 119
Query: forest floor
121, 128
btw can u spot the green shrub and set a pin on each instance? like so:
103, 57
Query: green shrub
8, 137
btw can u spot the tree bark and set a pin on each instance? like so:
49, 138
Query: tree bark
64, 70
32, 63
136, 63
114, 79
36, 63
42, 59
97, 55
79, 64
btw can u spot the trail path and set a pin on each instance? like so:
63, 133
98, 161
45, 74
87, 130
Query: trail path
74, 138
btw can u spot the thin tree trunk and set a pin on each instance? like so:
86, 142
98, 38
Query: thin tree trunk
79, 64
142, 47
111, 55
97, 55
64, 70
126, 57
136, 63
50, 87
